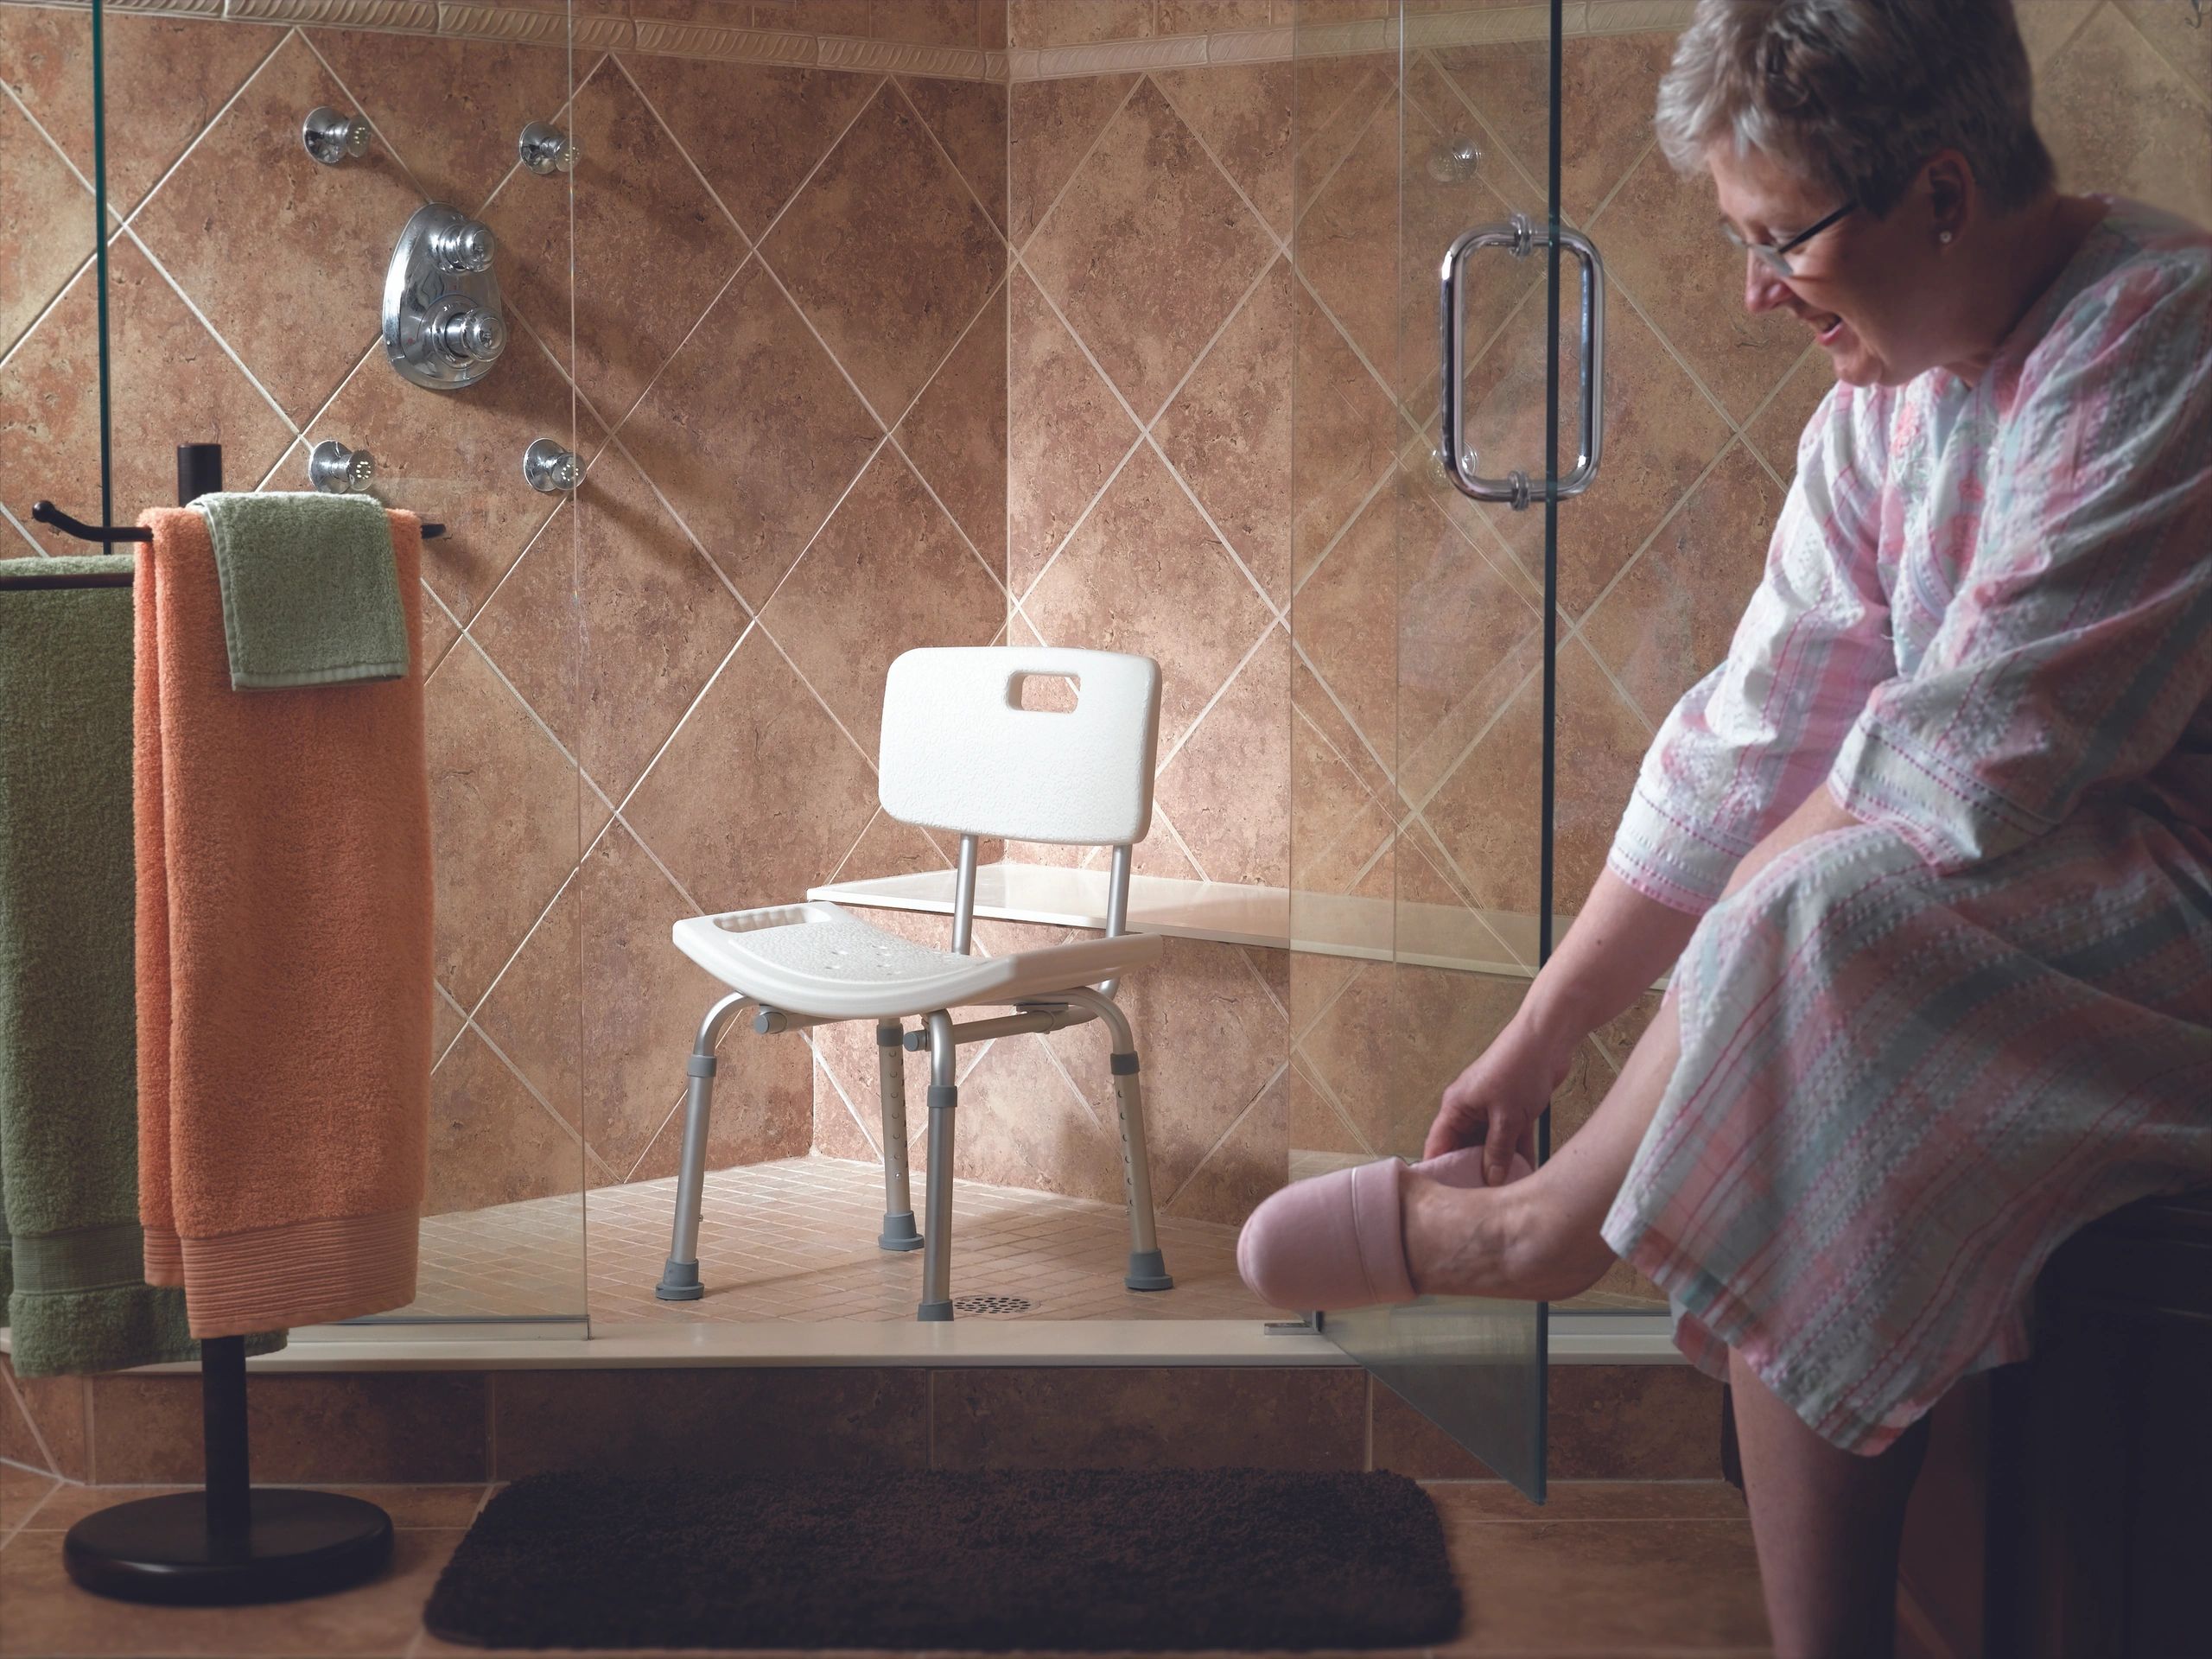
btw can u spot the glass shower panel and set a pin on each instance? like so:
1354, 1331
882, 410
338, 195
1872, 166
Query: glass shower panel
1417, 810
245, 298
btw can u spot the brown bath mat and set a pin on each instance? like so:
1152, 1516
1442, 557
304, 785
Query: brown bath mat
1068, 1559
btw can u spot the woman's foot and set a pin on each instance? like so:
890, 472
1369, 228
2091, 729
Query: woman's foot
1383, 1233
1509, 1242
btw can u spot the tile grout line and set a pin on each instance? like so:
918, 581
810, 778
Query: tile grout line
283, 34
1021, 247
216, 335
1281, 243
1235, 1123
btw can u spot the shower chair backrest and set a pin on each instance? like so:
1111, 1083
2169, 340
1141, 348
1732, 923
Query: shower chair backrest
961, 754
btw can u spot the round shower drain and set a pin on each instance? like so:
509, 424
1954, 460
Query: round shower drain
990, 1304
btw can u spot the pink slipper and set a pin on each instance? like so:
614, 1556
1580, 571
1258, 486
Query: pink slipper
1338, 1240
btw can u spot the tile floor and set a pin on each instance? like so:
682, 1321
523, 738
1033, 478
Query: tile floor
1624, 1569
794, 1240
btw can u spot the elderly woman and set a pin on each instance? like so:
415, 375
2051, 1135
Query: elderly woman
1929, 855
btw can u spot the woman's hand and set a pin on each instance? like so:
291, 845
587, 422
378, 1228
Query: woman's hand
1496, 1101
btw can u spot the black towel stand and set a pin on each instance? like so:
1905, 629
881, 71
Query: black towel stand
234, 1543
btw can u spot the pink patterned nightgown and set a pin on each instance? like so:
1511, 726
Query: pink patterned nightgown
1918, 1054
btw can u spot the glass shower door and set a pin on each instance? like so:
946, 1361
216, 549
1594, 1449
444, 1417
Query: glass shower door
1421, 821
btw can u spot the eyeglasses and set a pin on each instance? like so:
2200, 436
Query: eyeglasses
1776, 256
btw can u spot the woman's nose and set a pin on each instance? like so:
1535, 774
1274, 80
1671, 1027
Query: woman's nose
1763, 288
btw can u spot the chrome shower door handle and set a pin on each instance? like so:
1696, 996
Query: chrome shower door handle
1520, 236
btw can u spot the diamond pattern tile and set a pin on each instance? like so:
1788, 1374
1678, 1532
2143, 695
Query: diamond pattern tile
1149, 252
650, 250
1232, 448
956, 433
503, 820
1605, 125
1344, 616
1349, 248
1660, 245
1144, 573
1066, 432
286, 258
887, 253
758, 792
1227, 789
752, 433
968, 118
1242, 112
754, 132
2151, 145
174, 74
611, 624
491, 1143
39, 248
1051, 124
889, 572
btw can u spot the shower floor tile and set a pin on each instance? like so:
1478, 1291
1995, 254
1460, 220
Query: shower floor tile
794, 1240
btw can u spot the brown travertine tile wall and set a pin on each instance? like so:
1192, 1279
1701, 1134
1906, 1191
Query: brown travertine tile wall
1607, 1421
767, 308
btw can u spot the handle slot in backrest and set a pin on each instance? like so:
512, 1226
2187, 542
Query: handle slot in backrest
1044, 694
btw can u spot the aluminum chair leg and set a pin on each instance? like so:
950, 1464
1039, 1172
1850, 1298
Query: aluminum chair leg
1147, 1267
679, 1280
944, 1098
897, 1232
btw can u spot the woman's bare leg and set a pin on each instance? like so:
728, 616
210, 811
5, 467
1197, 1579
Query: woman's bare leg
1828, 1524
1536, 1239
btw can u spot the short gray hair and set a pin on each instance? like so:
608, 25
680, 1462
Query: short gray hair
1857, 94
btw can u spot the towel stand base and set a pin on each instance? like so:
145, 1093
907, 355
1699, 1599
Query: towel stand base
162, 1549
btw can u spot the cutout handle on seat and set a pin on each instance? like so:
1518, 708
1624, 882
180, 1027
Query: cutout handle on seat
1044, 694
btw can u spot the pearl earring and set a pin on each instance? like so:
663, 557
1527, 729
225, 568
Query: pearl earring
1942, 236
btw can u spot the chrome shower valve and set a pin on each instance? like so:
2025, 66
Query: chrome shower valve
442, 325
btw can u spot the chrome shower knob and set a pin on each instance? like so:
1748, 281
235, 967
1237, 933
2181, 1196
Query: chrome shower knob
546, 149
549, 469
465, 245
471, 334
335, 470
331, 138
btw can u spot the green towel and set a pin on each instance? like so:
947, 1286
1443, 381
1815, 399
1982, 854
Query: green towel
70, 1261
310, 594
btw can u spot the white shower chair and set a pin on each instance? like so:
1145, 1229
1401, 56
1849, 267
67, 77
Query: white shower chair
959, 754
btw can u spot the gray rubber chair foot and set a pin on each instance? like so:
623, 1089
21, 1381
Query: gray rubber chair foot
934, 1312
1147, 1271
898, 1233
679, 1282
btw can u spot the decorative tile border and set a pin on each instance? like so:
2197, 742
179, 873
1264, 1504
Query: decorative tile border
613, 29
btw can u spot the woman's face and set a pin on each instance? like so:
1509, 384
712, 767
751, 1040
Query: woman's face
1862, 286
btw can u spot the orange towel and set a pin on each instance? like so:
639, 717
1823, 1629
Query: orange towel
283, 854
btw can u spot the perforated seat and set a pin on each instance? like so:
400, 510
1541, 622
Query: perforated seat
959, 754
821, 960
